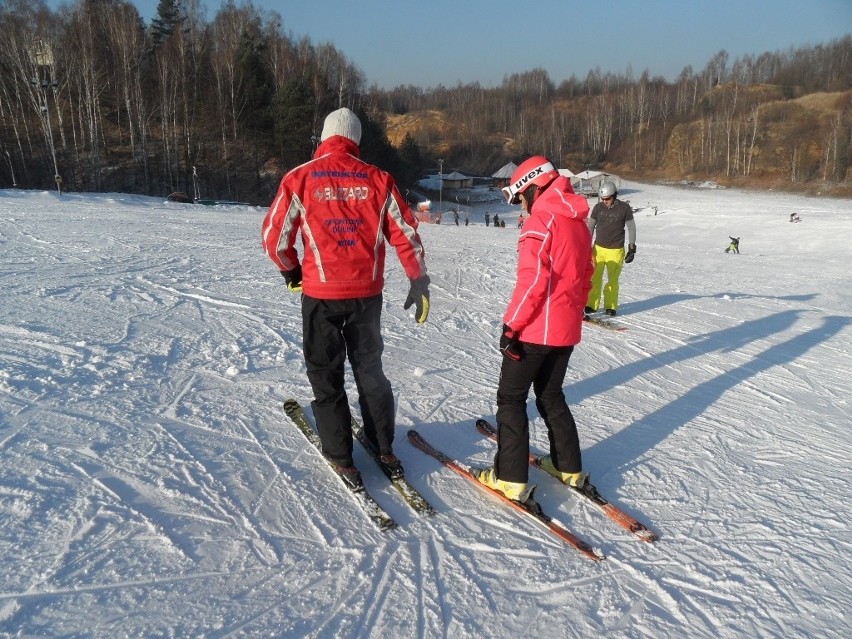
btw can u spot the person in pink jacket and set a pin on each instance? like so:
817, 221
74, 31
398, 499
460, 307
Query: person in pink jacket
344, 210
541, 325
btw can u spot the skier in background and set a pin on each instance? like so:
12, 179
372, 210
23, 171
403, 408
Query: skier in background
608, 221
734, 246
344, 210
541, 325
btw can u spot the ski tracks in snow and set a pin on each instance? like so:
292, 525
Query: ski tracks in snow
148, 466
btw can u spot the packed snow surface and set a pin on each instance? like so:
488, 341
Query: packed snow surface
151, 485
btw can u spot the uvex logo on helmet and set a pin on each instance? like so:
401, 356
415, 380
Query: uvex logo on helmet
519, 185
536, 170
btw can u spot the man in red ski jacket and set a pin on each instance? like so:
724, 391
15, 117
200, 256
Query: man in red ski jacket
541, 325
344, 210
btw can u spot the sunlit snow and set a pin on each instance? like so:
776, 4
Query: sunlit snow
150, 484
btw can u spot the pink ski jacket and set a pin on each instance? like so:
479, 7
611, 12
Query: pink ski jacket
554, 269
344, 209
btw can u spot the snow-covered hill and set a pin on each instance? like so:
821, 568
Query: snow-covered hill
150, 484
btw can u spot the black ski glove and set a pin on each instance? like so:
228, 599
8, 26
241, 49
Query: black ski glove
293, 279
418, 294
509, 344
631, 253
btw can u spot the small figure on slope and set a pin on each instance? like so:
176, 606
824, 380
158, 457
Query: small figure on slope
734, 246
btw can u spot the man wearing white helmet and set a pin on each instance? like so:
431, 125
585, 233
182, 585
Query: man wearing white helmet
541, 325
345, 210
608, 221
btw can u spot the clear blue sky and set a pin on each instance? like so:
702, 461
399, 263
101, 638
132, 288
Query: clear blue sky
429, 42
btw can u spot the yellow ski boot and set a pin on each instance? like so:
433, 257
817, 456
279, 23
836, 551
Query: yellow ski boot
516, 491
575, 480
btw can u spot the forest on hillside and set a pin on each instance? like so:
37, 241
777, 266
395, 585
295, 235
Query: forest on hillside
94, 99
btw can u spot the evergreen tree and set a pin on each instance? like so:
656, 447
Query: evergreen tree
256, 98
411, 158
168, 18
292, 116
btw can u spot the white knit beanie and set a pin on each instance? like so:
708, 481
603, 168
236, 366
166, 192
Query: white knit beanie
342, 122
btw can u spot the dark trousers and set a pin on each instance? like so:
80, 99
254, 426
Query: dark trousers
543, 368
332, 331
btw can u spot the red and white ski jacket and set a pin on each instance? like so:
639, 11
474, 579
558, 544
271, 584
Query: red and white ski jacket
554, 269
344, 209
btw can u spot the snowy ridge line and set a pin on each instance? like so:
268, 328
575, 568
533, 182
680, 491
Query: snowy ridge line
122, 585
214, 301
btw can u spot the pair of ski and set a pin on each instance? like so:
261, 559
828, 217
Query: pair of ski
529, 507
378, 515
532, 508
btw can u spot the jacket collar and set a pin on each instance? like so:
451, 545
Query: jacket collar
559, 197
338, 144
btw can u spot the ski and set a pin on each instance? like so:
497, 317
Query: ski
408, 492
591, 493
529, 507
604, 323
371, 507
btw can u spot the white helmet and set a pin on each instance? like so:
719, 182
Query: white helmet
607, 189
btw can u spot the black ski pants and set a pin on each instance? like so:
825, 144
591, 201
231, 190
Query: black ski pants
332, 331
543, 368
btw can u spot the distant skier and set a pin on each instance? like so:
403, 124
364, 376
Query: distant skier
496, 220
794, 217
611, 219
734, 246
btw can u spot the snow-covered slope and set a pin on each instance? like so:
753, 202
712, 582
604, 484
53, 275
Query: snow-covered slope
150, 484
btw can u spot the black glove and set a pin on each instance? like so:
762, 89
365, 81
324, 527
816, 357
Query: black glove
418, 294
631, 253
509, 344
293, 279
